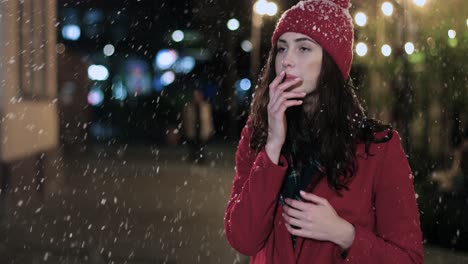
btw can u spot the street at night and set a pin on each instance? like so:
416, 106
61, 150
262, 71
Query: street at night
120, 121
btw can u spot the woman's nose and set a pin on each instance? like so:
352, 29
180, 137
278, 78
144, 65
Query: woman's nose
288, 60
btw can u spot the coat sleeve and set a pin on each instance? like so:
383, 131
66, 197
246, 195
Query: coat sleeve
397, 237
248, 219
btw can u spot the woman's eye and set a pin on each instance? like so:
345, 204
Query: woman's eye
304, 49
281, 50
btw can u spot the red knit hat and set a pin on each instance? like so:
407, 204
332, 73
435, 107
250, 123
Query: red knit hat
328, 22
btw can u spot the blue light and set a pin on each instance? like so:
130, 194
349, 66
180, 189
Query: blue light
165, 58
71, 32
157, 85
245, 84
93, 16
120, 93
184, 65
118, 90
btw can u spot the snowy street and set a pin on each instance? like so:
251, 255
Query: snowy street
135, 205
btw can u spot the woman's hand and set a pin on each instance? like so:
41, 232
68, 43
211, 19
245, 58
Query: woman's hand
280, 100
317, 220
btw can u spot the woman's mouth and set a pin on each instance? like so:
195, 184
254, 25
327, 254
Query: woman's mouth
290, 77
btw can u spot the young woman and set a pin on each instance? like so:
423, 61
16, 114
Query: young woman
316, 180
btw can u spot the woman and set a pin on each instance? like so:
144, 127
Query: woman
316, 181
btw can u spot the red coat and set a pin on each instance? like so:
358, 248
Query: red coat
380, 203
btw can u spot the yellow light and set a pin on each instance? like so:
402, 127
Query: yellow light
419, 2
261, 7
246, 46
409, 48
272, 8
452, 42
361, 49
361, 19
178, 35
233, 24
108, 50
386, 50
452, 33
387, 8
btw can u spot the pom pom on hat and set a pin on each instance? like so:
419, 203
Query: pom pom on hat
328, 22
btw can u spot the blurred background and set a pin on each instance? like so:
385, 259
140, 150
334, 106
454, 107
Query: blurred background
100, 158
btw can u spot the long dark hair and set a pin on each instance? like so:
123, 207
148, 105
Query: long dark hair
336, 125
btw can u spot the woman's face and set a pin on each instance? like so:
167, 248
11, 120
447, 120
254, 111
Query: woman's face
299, 56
